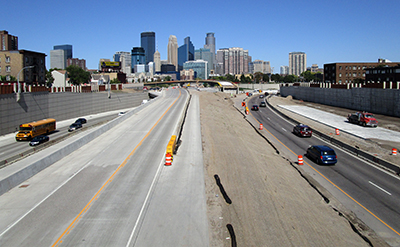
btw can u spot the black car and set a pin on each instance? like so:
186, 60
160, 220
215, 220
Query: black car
263, 104
322, 154
302, 130
81, 120
38, 139
254, 108
74, 126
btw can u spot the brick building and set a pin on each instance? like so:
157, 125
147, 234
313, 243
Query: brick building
349, 72
11, 63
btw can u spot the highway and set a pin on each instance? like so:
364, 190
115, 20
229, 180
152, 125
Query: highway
9, 147
372, 194
116, 191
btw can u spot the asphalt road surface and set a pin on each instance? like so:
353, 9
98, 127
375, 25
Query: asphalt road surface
371, 193
114, 191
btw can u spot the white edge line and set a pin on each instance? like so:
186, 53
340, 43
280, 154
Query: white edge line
380, 188
44, 199
145, 203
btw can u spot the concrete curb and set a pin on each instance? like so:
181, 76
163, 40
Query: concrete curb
17, 177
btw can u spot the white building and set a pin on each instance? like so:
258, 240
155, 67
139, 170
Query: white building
60, 78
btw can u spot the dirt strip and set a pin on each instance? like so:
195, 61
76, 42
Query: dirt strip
255, 197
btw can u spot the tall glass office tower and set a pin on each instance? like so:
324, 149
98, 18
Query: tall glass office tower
66, 48
185, 52
148, 42
138, 57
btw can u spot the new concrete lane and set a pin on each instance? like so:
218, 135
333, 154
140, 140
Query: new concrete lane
176, 213
78, 200
363, 182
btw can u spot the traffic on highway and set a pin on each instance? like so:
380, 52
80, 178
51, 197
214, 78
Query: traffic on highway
373, 194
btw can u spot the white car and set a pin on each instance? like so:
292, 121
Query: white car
121, 113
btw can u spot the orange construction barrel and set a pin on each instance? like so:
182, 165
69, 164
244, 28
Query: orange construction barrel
337, 132
300, 160
261, 126
168, 159
394, 151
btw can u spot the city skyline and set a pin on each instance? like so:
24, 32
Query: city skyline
327, 32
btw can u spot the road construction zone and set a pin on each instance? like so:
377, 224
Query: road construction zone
169, 154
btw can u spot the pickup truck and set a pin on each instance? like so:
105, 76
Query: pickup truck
363, 118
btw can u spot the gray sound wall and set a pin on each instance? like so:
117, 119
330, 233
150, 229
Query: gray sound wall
60, 106
375, 100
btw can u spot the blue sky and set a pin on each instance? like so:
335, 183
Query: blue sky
327, 31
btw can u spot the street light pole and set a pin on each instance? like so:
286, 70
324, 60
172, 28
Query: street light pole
19, 85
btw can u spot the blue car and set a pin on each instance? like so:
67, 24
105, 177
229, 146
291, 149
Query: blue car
323, 155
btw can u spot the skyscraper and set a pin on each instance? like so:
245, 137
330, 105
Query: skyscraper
210, 42
185, 52
157, 61
59, 56
138, 56
173, 51
66, 48
148, 43
297, 63
206, 55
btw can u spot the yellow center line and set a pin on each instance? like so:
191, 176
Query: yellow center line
79, 216
391, 228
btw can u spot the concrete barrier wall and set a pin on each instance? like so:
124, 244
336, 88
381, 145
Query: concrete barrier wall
259, 86
379, 101
61, 106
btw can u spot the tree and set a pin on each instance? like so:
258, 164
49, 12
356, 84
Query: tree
167, 78
290, 78
276, 78
49, 77
258, 76
77, 75
115, 81
308, 76
265, 77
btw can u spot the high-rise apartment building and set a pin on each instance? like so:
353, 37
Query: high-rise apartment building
297, 63
234, 61
284, 70
185, 52
157, 61
260, 66
148, 43
173, 51
8, 42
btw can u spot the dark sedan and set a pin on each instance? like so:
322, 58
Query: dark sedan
302, 130
38, 139
81, 120
74, 126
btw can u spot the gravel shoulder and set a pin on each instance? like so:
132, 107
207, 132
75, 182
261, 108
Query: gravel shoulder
257, 194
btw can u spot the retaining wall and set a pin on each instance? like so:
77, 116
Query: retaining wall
379, 101
61, 106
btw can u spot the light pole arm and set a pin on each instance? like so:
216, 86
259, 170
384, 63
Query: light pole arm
19, 85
